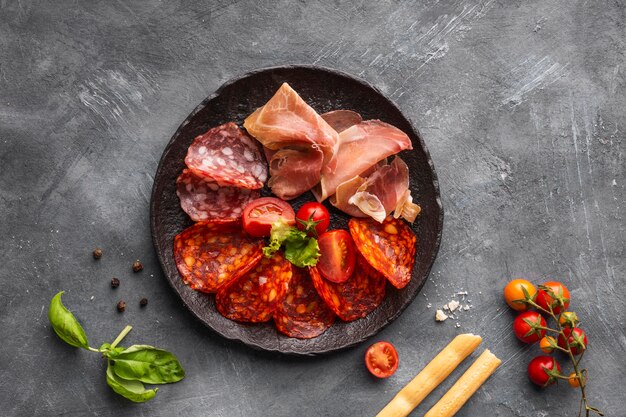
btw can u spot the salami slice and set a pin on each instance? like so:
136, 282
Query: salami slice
253, 297
228, 156
203, 199
361, 294
302, 313
388, 246
210, 254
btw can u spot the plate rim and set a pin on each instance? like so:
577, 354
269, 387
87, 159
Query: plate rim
330, 71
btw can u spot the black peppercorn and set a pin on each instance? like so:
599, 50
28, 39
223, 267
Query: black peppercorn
115, 283
121, 306
143, 302
137, 266
97, 253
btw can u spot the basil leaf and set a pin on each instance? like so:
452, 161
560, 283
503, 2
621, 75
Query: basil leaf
133, 390
65, 324
110, 353
147, 364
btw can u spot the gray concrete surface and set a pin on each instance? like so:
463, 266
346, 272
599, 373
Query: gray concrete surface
520, 102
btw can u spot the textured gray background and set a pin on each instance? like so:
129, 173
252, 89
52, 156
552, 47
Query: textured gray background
520, 102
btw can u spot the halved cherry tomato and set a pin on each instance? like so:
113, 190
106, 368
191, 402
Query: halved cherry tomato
526, 326
545, 300
542, 370
514, 294
337, 259
381, 359
313, 218
260, 214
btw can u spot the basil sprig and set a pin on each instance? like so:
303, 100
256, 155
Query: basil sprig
127, 368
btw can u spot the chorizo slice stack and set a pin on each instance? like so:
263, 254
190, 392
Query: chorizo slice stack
361, 294
210, 254
253, 297
388, 246
302, 313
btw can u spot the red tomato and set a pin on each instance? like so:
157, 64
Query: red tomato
541, 370
525, 326
381, 359
545, 300
260, 214
337, 259
313, 218
574, 338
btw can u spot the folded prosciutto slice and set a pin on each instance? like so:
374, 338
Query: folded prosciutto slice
287, 121
376, 196
361, 147
293, 171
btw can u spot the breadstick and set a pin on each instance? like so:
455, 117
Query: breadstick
432, 375
466, 386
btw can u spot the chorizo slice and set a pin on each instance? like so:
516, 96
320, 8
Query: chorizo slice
229, 156
203, 199
210, 254
302, 313
355, 298
253, 297
388, 246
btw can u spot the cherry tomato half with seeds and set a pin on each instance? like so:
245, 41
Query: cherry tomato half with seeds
313, 218
576, 338
337, 255
260, 214
381, 359
545, 300
525, 326
541, 368
514, 294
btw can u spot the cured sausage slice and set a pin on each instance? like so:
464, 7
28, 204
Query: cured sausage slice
228, 156
302, 313
210, 254
388, 246
203, 199
361, 294
253, 297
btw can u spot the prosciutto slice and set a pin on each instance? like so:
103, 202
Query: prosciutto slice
376, 196
294, 171
340, 120
287, 121
360, 147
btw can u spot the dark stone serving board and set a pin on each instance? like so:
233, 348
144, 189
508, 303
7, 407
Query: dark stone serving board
324, 89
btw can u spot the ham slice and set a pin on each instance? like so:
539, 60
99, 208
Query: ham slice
360, 147
340, 120
287, 121
376, 196
294, 171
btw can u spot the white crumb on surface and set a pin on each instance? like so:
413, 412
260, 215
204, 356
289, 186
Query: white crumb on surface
453, 305
440, 315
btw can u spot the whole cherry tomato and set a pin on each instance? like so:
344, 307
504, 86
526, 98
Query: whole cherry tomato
574, 381
313, 218
576, 338
545, 300
525, 326
547, 344
542, 369
514, 294
568, 319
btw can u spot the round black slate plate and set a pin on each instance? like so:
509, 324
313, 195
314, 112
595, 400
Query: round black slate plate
324, 89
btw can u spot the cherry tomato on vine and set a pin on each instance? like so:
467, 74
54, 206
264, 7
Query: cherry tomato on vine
545, 300
568, 319
573, 380
525, 326
576, 338
313, 218
381, 359
514, 294
260, 214
338, 255
547, 344
542, 370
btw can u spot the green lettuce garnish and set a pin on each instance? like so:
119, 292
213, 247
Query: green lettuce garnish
300, 249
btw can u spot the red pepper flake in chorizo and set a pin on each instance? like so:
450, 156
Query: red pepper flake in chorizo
388, 246
210, 254
302, 313
229, 156
361, 294
253, 297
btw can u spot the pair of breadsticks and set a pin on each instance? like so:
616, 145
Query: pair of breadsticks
436, 371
